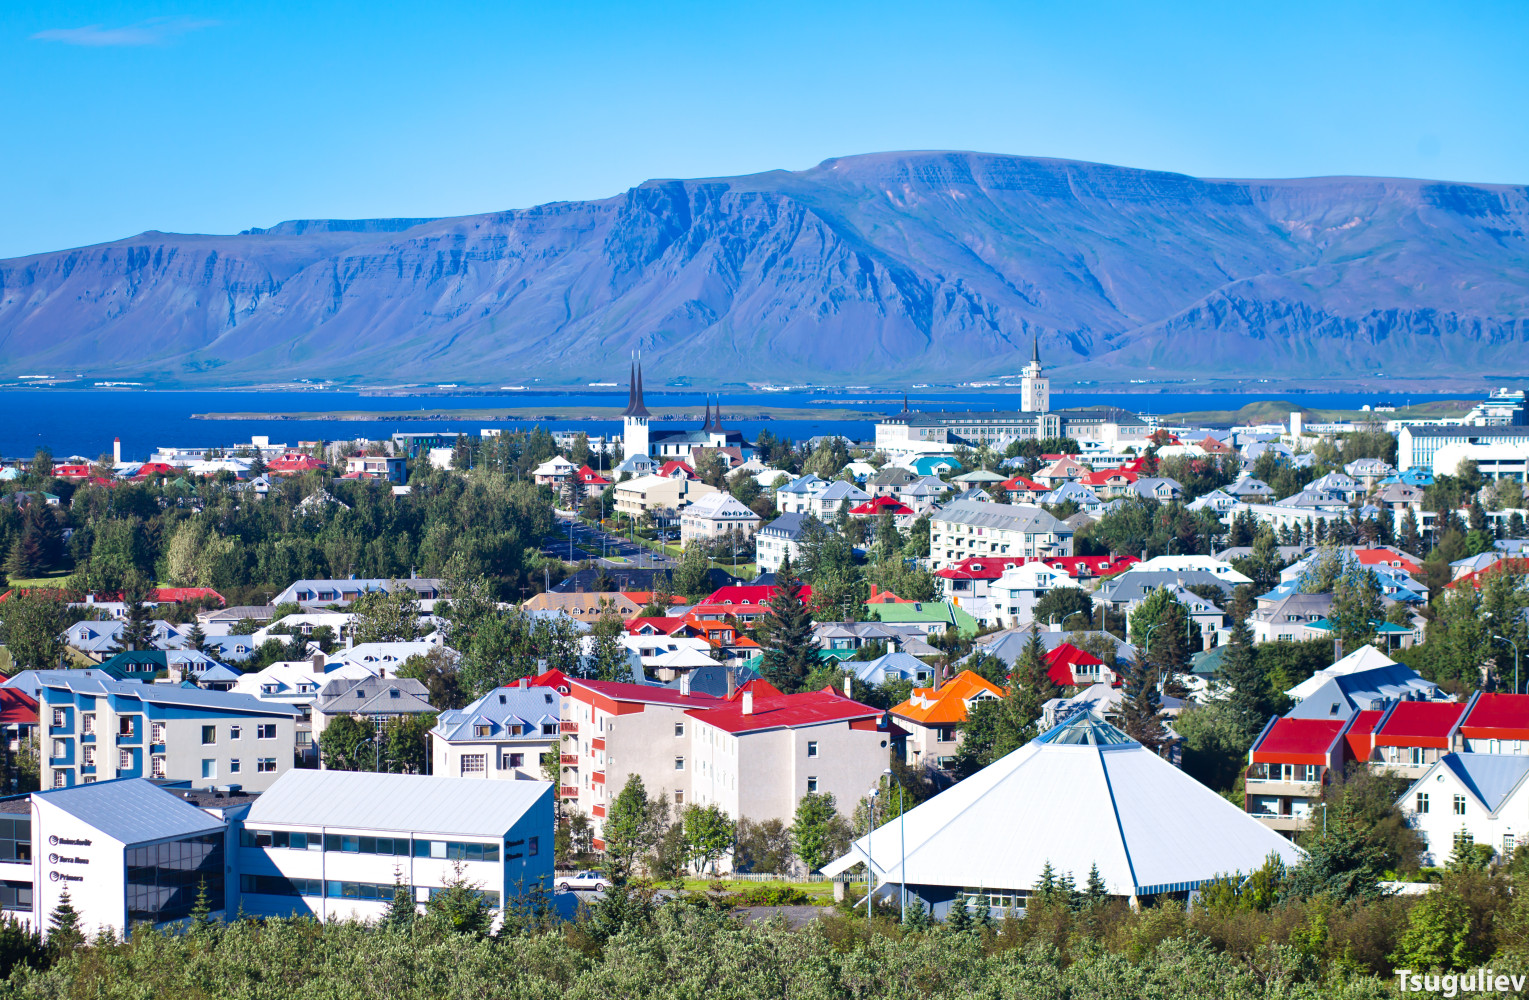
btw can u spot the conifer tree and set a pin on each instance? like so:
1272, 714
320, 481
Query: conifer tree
1139, 713
982, 920
1251, 698
1094, 891
958, 920
918, 916
789, 654
64, 934
401, 906
196, 639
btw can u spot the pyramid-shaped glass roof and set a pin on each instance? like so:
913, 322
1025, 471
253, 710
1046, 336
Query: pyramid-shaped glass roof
1086, 730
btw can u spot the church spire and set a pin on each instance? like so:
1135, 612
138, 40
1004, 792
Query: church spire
634, 406
706, 421
1035, 351
716, 420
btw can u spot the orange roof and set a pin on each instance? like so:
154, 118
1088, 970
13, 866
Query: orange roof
929, 707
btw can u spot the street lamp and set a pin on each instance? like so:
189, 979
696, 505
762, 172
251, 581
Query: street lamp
870, 864
1510, 642
1146, 649
1069, 615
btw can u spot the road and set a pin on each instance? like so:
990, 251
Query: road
631, 555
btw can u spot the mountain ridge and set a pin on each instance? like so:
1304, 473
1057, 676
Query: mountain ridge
884, 266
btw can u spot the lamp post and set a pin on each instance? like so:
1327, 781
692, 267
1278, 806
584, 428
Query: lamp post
1510, 642
1146, 649
870, 865
1069, 615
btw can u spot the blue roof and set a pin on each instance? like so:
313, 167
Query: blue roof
132, 810
500, 709
1086, 729
1363, 691
928, 465
95, 682
1489, 776
892, 666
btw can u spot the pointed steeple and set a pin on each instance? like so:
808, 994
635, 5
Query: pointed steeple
716, 419
905, 402
1035, 351
706, 421
634, 406
631, 387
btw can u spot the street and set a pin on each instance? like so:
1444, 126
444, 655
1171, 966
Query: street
618, 551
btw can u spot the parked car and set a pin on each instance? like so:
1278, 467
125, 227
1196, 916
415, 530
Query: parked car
579, 881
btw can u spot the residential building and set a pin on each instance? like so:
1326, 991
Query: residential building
1288, 766
1016, 592
333, 845
553, 472
1364, 680
295, 684
893, 666
964, 529
780, 538
1494, 723
663, 496
584, 607
1479, 795
99, 728
378, 700
341, 593
1416, 446
388, 468
933, 716
1408, 737
503, 735
714, 516
1284, 619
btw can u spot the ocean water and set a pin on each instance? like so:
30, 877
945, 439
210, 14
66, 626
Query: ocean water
84, 421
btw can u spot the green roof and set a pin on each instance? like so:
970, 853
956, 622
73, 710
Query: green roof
754, 662
919, 613
1207, 663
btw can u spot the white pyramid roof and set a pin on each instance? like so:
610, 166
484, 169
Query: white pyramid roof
684, 658
1366, 657
1082, 794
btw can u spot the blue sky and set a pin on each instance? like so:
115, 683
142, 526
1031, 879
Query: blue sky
212, 116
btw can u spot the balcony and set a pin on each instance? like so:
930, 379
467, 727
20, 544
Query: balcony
598, 812
598, 777
124, 739
570, 727
597, 745
1283, 822
570, 791
1278, 786
568, 758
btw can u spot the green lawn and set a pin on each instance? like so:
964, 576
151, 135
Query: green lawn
821, 892
55, 580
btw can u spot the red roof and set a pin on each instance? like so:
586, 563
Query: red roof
1102, 476
1358, 735
1019, 484
642, 597
660, 626
1385, 557
17, 707
590, 476
71, 471
1419, 724
1297, 741
1517, 567
148, 469
671, 467
1093, 565
1498, 717
992, 567
749, 595
882, 505
782, 711
1064, 658
173, 595
295, 462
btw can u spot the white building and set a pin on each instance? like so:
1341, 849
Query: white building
502, 735
968, 528
1480, 794
1019, 588
713, 516
780, 538
333, 844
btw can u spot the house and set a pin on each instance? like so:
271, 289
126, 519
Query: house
676, 469
636, 465
846, 637
929, 617
964, 529
290, 464
379, 700
591, 479
18, 717
343, 592
889, 480
1284, 619
780, 538
503, 735
902, 514
659, 495
1109, 483
714, 516
1019, 588
1494, 723
1408, 737
158, 731
388, 468
295, 684
1130, 588
922, 494
1365, 679
932, 717
100, 640
825, 503
338, 622
584, 607
1250, 490
1158, 488
553, 472
1069, 666
1478, 795
893, 666
1290, 763
1065, 469
1081, 795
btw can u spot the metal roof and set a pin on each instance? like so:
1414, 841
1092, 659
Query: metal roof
361, 800
1489, 776
132, 810
1013, 517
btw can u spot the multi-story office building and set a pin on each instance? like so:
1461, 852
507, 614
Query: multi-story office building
503, 734
98, 729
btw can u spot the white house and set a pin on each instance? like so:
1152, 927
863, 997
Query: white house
715, 515
1019, 588
1479, 794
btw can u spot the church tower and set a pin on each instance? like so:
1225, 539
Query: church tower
1035, 388
634, 419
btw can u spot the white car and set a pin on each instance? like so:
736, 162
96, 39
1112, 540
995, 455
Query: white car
583, 880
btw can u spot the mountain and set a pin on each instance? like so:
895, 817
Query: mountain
889, 267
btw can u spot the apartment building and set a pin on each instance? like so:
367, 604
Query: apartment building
1290, 762
503, 735
100, 729
969, 528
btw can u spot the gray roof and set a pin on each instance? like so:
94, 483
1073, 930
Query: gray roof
787, 525
1469, 433
1013, 517
892, 666
713, 680
893, 475
500, 709
1248, 486
362, 800
1009, 645
1489, 776
1363, 691
1134, 585
374, 696
840, 490
1302, 606
132, 810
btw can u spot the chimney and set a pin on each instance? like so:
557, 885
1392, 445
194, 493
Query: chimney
318, 664
685, 685
524, 683
847, 679
732, 683
116, 451
748, 703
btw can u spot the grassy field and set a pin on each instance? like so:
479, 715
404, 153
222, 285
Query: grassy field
54, 580
533, 413
822, 892
1279, 410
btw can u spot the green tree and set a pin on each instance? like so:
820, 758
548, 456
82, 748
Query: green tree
390, 615
64, 932
1356, 607
1063, 605
692, 576
196, 639
406, 743
438, 670
345, 745
402, 909
1139, 715
1250, 698
460, 906
32, 628
628, 830
608, 657
819, 834
997, 727
763, 846
137, 626
786, 634
708, 834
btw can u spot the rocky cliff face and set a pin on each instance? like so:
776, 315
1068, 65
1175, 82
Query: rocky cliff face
888, 266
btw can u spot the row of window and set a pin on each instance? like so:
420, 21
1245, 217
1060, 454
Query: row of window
263, 731
1459, 803
280, 885
263, 765
400, 847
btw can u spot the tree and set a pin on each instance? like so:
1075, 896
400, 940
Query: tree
1139, 712
341, 745
1251, 699
138, 627
1356, 607
64, 933
1064, 604
628, 830
390, 615
406, 744
692, 577
708, 834
819, 834
786, 634
460, 906
402, 909
996, 727
1159, 628
608, 657
196, 639
438, 671
762, 847
31, 628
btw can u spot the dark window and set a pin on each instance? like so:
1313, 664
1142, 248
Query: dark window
163, 880
15, 895
15, 838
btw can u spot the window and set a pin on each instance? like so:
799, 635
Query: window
234, 766
125, 725
1507, 844
1415, 755
209, 768
945, 734
88, 724
60, 748
124, 760
679, 763
1422, 803
453, 851
61, 779
679, 729
266, 765
157, 766
234, 732
812, 783
482, 730
1459, 805
157, 732
209, 736
549, 728
305, 738
514, 760
679, 797
265, 731
58, 717
533, 846
473, 763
